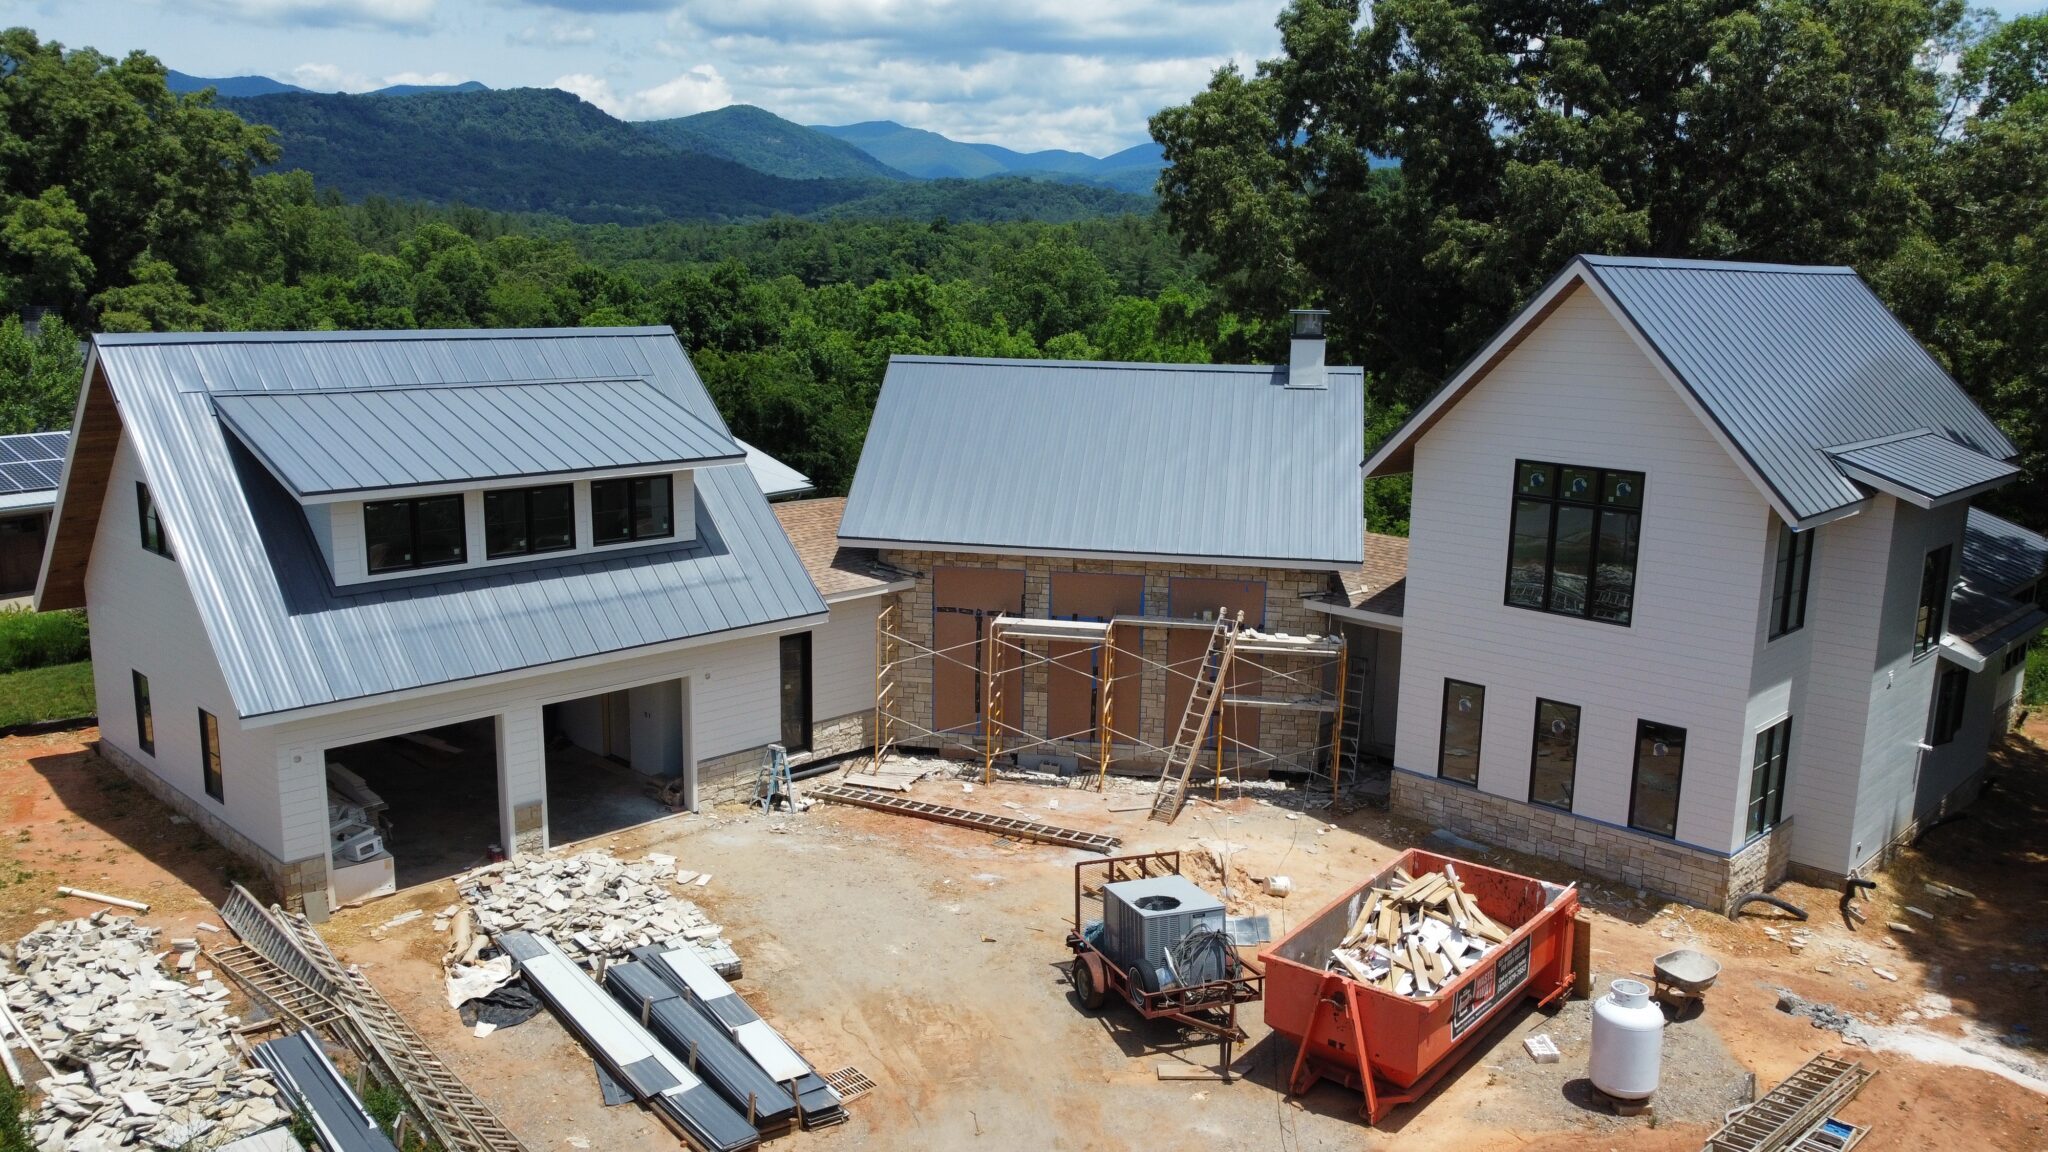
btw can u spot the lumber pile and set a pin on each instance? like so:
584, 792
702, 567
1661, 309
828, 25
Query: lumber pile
136, 1059
1416, 935
595, 906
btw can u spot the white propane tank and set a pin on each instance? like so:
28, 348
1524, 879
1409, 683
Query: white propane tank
1628, 1041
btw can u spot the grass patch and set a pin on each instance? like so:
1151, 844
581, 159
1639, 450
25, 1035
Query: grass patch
2035, 693
60, 692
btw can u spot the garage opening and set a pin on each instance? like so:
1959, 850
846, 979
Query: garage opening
613, 757
411, 809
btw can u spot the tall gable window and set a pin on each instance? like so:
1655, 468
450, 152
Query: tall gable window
1789, 580
1951, 691
1660, 768
1555, 761
427, 532
525, 521
1927, 620
1767, 777
639, 508
1573, 549
145, 719
154, 538
1464, 717
209, 755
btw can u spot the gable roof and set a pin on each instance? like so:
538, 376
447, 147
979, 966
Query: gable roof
31, 463
1186, 461
1999, 554
773, 476
1784, 363
1923, 468
287, 638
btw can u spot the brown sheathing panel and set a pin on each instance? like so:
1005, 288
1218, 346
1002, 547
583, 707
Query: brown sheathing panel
963, 600
83, 494
1070, 697
1196, 598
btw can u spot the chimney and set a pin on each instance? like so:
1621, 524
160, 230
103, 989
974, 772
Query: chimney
1305, 358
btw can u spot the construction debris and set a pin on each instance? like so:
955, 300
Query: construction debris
1417, 936
137, 1059
595, 906
1541, 1048
116, 901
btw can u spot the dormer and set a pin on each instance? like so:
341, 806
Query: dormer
398, 482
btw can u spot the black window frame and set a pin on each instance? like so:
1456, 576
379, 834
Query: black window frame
1792, 575
1601, 509
633, 534
209, 757
1536, 754
1444, 731
412, 507
1644, 737
526, 496
1769, 766
155, 537
145, 714
795, 714
1951, 699
1930, 612
2015, 656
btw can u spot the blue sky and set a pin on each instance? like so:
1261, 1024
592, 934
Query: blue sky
1081, 74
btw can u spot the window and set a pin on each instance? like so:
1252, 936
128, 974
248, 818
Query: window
1767, 777
1951, 690
1933, 601
2014, 657
154, 539
796, 692
1573, 550
637, 509
1660, 762
427, 532
525, 521
145, 722
1464, 715
1788, 584
209, 752
1555, 761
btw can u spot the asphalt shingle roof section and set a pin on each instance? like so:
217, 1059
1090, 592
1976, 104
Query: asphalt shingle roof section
364, 439
1999, 554
287, 638
1790, 361
1077, 458
32, 461
813, 528
1925, 466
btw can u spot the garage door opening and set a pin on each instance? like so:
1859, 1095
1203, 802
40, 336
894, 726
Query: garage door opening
412, 809
612, 756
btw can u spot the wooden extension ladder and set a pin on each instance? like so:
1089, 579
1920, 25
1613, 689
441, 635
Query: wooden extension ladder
1790, 1113
1021, 827
1194, 723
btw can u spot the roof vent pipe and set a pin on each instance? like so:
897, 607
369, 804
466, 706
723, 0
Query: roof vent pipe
1305, 358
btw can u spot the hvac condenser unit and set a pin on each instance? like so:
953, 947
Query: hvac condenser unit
1142, 920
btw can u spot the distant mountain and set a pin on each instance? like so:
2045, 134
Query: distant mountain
930, 155
417, 89
241, 86
765, 142
991, 199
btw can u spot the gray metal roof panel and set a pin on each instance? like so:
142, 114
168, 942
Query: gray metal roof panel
286, 637
1999, 554
774, 477
1928, 463
1789, 361
1081, 457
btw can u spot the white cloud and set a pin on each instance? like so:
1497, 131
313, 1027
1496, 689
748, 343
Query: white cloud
700, 89
561, 33
328, 13
334, 78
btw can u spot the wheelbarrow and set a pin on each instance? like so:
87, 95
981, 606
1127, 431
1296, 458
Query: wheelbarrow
1683, 977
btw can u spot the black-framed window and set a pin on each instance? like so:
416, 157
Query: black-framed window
1554, 761
1572, 547
2014, 657
796, 692
422, 532
1464, 718
145, 720
1928, 618
154, 538
1767, 777
635, 508
209, 753
1951, 690
1660, 769
528, 521
1789, 579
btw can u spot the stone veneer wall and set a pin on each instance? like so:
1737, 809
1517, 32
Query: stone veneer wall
1292, 735
1693, 875
730, 778
291, 881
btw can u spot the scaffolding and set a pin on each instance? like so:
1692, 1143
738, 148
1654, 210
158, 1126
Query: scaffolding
1293, 674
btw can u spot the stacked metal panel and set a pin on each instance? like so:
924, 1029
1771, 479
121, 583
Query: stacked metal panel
817, 1105
315, 1089
634, 1057
708, 1048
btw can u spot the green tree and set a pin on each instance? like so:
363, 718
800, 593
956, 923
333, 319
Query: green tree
154, 302
39, 376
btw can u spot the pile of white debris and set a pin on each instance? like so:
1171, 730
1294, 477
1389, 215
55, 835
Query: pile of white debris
596, 906
137, 1059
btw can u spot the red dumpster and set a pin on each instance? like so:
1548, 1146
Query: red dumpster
1394, 1048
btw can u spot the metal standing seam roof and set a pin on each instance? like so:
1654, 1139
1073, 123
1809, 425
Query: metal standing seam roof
1072, 457
1925, 467
1999, 554
361, 439
287, 638
773, 476
32, 461
1790, 361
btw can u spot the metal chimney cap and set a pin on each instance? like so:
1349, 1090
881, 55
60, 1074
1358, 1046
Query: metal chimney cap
1308, 322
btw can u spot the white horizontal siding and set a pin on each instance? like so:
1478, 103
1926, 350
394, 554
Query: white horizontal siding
1579, 391
843, 660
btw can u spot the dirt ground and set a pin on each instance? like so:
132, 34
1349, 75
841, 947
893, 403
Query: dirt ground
932, 958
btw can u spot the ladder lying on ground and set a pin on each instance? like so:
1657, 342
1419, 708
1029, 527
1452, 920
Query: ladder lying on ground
1021, 827
1792, 1112
1194, 723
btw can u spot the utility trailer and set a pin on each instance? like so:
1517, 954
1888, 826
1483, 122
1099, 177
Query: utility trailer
1209, 1007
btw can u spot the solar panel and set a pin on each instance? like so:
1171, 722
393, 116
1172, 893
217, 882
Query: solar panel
9, 454
30, 477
